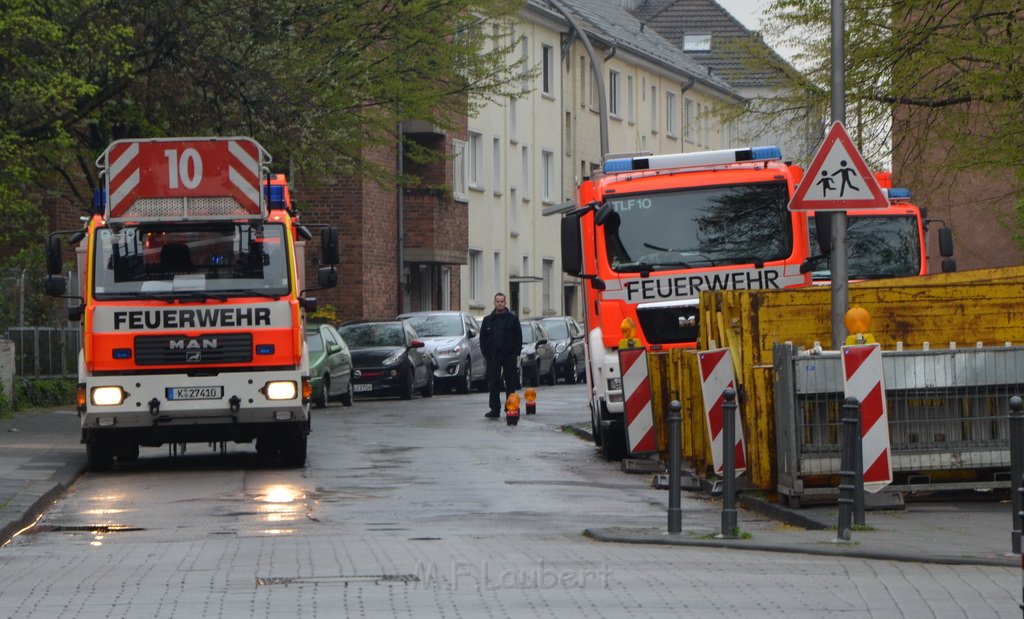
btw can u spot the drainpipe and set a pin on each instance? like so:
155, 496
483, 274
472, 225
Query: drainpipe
598, 71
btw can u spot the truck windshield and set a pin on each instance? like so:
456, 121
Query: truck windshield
876, 246
211, 260
701, 227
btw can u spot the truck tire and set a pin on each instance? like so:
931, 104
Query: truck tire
293, 452
128, 452
613, 441
100, 456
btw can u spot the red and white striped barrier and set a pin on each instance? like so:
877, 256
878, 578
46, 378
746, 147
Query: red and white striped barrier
716, 375
183, 168
862, 372
636, 389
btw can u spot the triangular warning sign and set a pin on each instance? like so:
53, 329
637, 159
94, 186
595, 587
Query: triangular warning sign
838, 179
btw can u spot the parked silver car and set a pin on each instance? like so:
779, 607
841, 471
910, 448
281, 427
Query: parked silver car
453, 339
567, 340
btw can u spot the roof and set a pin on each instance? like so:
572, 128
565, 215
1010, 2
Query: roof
611, 25
673, 19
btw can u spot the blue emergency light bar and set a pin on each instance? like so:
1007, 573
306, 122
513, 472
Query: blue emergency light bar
275, 197
99, 201
898, 193
683, 160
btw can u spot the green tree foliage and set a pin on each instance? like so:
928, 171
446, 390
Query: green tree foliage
951, 70
318, 83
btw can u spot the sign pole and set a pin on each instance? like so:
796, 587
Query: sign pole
840, 275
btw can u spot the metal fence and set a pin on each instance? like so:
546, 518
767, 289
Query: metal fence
45, 352
947, 414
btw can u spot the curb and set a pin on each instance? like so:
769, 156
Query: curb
834, 549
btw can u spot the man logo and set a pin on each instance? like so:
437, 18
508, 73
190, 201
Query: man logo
193, 344
193, 356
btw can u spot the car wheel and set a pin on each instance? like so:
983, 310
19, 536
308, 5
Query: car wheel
321, 397
408, 388
574, 371
346, 398
428, 389
552, 376
467, 374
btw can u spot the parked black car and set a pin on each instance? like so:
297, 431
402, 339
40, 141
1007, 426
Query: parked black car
388, 359
330, 365
453, 338
566, 338
537, 361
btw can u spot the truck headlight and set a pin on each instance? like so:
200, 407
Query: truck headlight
107, 396
281, 390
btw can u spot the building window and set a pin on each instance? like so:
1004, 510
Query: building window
547, 163
496, 161
513, 123
584, 77
526, 174
688, 119
524, 288
630, 105
548, 66
613, 93
499, 279
697, 43
475, 160
592, 91
670, 113
459, 170
707, 126
549, 282
476, 275
654, 109
524, 55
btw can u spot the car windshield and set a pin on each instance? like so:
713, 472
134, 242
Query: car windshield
528, 334
556, 328
156, 260
437, 325
314, 343
696, 228
373, 334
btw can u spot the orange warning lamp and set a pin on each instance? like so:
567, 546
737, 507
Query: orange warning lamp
530, 395
858, 325
628, 329
512, 409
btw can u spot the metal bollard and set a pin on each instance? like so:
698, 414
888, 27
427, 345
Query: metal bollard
847, 464
858, 468
1016, 468
729, 464
675, 465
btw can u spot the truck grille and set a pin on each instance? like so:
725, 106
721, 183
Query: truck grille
200, 350
670, 325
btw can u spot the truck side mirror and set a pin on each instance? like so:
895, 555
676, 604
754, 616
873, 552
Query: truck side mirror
329, 245
55, 285
946, 242
572, 246
54, 263
327, 277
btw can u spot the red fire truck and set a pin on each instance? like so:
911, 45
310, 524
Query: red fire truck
192, 299
647, 234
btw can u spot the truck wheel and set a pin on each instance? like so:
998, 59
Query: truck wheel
346, 398
293, 452
100, 456
128, 452
613, 441
321, 397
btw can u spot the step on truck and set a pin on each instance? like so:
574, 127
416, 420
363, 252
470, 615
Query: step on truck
648, 233
192, 299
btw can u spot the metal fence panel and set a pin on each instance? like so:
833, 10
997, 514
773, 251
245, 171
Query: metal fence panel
45, 352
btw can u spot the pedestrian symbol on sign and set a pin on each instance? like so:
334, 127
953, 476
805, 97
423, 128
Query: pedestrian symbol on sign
838, 179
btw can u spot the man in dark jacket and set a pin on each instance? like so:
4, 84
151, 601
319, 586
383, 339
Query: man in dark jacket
501, 340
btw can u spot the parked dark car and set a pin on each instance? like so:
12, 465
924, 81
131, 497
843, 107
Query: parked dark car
330, 365
566, 338
388, 358
453, 338
537, 361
